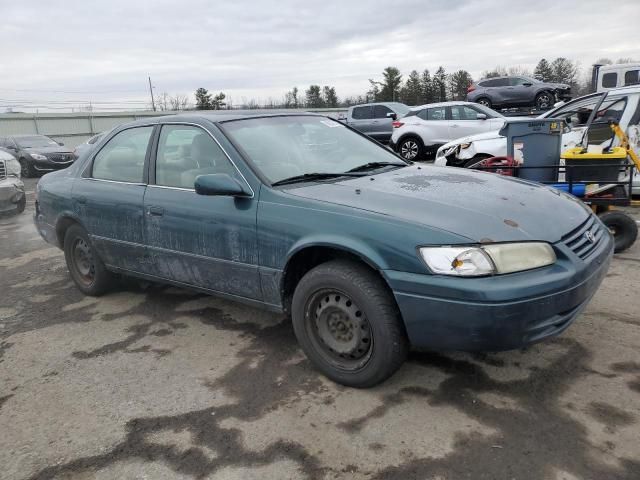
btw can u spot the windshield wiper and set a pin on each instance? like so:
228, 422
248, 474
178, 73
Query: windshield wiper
374, 165
314, 176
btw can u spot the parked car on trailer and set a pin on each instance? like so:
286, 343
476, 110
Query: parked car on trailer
427, 127
298, 213
621, 105
375, 119
38, 153
517, 91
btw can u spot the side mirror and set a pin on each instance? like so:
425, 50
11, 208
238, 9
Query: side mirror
392, 116
528, 84
481, 116
61, 144
219, 184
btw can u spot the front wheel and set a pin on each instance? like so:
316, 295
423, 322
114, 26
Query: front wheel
623, 228
411, 149
348, 324
26, 169
86, 269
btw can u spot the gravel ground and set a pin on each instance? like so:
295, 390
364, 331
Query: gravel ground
156, 382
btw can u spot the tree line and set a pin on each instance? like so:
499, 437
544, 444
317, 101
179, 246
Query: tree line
417, 88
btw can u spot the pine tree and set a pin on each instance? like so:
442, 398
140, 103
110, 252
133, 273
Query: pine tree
217, 103
314, 97
458, 84
564, 71
390, 85
411, 93
440, 85
426, 87
543, 71
203, 99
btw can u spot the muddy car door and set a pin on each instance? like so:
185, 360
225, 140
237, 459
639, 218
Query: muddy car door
200, 240
108, 198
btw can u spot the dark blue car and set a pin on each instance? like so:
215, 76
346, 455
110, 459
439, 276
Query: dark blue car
298, 213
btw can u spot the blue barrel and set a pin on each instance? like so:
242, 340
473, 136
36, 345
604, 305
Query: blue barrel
535, 142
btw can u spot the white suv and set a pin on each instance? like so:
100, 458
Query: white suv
427, 127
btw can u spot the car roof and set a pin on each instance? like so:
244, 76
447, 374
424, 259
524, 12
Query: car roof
442, 104
377, 103
219, 116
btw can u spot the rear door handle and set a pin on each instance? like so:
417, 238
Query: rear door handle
156, 211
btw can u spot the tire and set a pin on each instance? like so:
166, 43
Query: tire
348, 324
26, 169
484, 101
623, 228
545, 100
85, 267
22, 204
411, 148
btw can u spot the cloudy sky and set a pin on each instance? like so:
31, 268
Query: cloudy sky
56, 52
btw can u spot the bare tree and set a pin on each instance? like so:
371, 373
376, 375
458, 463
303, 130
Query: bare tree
179, 102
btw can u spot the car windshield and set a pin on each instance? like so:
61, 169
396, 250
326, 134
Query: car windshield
289, 146
34, 141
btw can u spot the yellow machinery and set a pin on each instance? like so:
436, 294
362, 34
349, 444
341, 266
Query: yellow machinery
594, 177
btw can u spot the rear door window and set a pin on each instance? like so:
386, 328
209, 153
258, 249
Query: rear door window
122, 158
610, 80
380, 111
461, 112
362, 113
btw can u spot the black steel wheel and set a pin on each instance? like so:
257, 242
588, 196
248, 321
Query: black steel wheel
22, 204
85, 266
410, 148
623, 228
348, 324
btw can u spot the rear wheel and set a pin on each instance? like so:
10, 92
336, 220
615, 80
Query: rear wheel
484, 101
86, 269
623, 228
348, 324
26, 169
22, 204
545, 100
411, 148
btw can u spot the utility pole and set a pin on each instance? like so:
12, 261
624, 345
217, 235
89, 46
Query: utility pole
153, 104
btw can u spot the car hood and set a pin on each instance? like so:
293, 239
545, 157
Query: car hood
480, 206
44, 150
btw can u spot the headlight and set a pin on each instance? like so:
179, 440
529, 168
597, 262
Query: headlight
13, 167
491, 259
464, 146
37, 156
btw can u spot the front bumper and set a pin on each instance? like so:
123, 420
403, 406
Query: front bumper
49, 165
11, 194
501, 312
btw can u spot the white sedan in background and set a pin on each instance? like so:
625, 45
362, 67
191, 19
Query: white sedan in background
622, 104
427, 127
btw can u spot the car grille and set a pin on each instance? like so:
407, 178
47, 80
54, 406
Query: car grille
585, 239
60, 157
3, 170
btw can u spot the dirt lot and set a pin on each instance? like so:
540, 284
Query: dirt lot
158, 382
